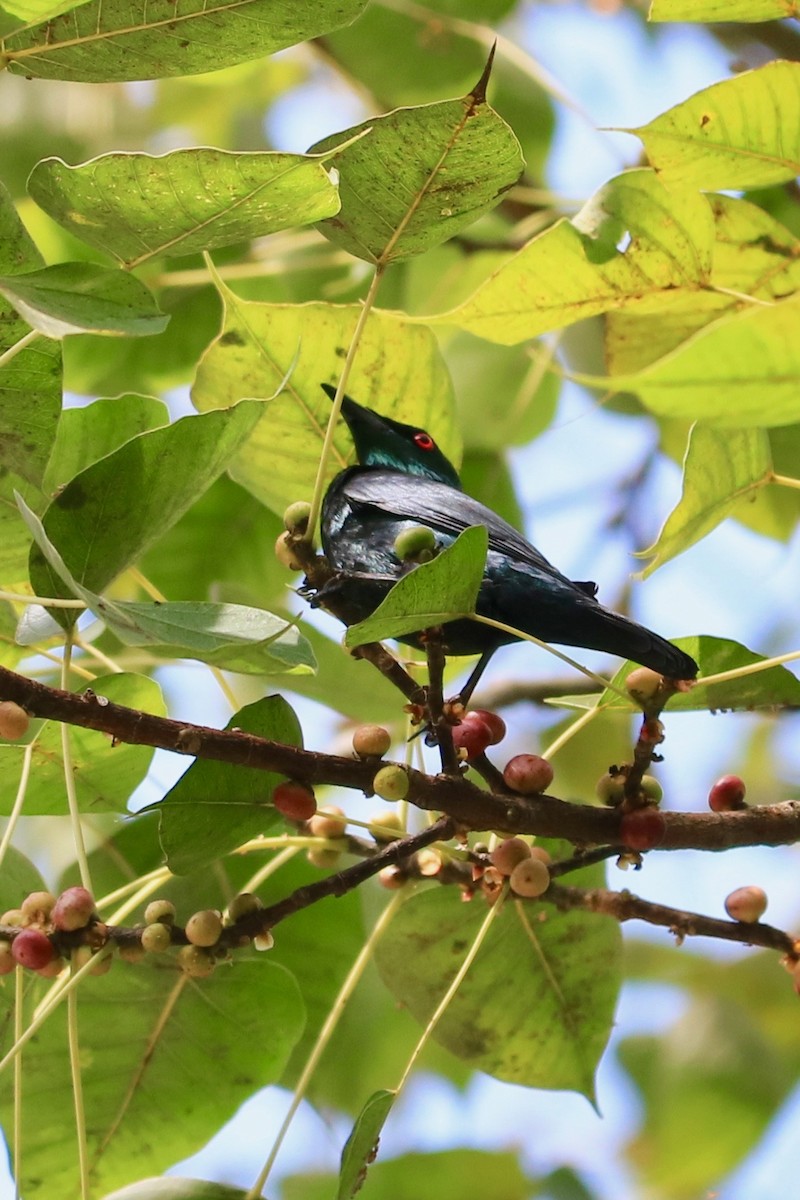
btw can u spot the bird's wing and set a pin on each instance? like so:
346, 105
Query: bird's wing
442, 507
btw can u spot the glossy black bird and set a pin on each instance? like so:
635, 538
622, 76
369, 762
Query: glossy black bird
404, 480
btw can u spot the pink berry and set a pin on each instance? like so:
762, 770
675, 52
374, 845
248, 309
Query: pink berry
528, 773
14, 721
33, 949
508, 853
295, 801
530, 878
642, 829
496, 723
727, 794
746, 904
73, 909
473, 735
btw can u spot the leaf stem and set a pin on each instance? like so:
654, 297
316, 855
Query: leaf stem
45, 601
785, 480
14, 350
69, 779
327, 445
575, 727
19, 800
326, 1032
750, 669
19, 999
77, 1091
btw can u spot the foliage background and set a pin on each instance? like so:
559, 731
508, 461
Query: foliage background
723, 1029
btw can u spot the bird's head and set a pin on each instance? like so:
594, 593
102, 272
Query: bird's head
382, 442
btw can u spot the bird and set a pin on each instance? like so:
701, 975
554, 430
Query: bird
402, 480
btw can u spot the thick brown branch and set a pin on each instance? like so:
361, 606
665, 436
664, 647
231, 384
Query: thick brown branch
624, 906
471, 807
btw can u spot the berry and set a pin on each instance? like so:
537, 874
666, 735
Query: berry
37, 907
295, 801
542, 854
263, 941
510, 852
530, 878
32, 948
391, 783
296, 517
746, 904
14, 917
652, 788
727, 794
324, 860
392, 877
203, 928
429, 863
386, 826
52, 970
286, 554
642, 829
195, 961
73, 909
643, 684
14, 721
162, 911
156, 938
371, 741
473, 735
610, 788
83, 954
416, 543
132, 952
242, 905
496, 723
328, 822
528, 773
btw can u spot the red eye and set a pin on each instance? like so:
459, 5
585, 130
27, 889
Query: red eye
424, 441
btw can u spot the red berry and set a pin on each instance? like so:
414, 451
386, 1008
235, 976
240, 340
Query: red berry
528, 773
642, 829
496, 724
727, 794
73, 909
295, 801
32, 948
473, 735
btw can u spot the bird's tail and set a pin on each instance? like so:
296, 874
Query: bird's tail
604, 630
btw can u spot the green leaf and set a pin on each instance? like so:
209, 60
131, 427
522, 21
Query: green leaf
108, 40
772, 688
114, 510
420, 176
441, 1175
85, 435
135, 206
81, 297
743, 132
105, 773
215, 807
721, 10
544, 1023
742, 370
362, 1144
18, 878
573, 270
721, 471
30, 400
145, 1065
753, 256
430, 594
229, 636
398, 370
173, 1187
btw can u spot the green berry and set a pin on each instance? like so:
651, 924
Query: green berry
156, 938
296, 517
37, 907
286, 554
643, 684
371, 741
391, 783
195, 961
611, 788
204, 928
162, 911
386, 826
242, 905
414, 541
652, 788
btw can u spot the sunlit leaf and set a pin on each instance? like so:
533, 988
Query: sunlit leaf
362, 1145
107, 40
743, 132
398, 371
135, 206
575, 270
721, 469
431, 594
420, 176
87, 434
722, 10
